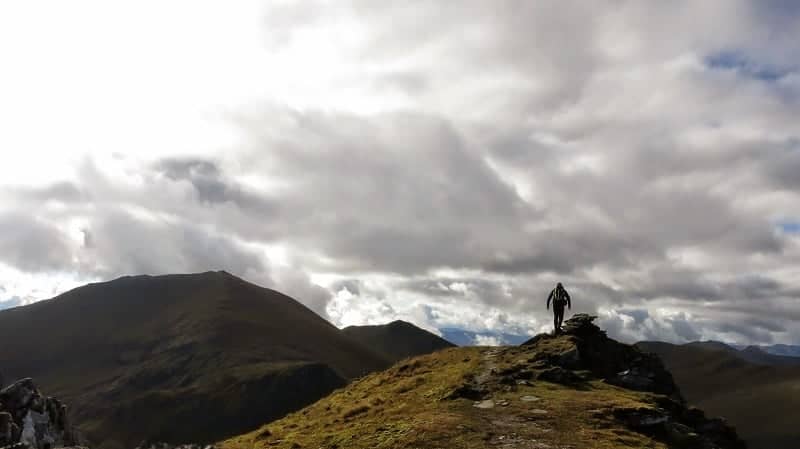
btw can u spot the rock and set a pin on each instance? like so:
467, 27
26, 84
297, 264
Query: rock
559, 375
581, 325
619, 364
31, 420
641, 418
466, 391
681, 427
484, 404
569, 359
529, 399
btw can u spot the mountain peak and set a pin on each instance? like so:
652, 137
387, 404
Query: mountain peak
134, 343
397, 339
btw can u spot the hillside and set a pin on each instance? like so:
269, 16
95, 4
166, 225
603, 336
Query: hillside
752, 354
578, 390
397, 340
761, 400
177, 358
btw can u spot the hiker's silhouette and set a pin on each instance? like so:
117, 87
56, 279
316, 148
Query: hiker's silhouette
560, 298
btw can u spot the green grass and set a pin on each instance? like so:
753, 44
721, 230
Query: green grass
406, 406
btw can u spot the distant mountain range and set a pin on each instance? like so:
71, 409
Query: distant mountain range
779, 349
462, 337
195, 357
758, 392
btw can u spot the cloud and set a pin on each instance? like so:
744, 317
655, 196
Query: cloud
32, 244
487, 340
449, 164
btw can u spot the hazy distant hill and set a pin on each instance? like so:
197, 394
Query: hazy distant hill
178, 358
758, 395
753, 354
463, 337
779, 349
397, 340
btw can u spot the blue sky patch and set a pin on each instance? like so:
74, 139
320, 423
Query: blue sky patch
744, 66
790, 227
14, 301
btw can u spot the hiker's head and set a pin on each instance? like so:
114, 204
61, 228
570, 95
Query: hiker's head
559, 286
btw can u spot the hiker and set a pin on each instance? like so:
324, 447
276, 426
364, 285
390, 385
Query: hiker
560, 298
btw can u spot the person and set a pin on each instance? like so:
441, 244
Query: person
560, 298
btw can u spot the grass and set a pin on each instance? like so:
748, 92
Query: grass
407, 406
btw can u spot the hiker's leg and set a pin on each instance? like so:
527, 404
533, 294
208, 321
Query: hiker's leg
559, 317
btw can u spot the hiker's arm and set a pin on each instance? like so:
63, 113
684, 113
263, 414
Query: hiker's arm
549, 297
569, 300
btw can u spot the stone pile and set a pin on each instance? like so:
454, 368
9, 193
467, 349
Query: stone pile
30, 420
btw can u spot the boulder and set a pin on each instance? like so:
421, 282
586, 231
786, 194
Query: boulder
559, 375
30, 420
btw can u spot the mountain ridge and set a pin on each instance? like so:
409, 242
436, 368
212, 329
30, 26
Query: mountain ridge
548, 393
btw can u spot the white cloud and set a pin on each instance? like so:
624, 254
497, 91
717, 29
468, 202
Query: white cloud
451, 161
487, 340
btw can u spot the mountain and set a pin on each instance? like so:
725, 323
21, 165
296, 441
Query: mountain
761, 399
178, 358
777, 349
577, 390
397, 340
784, 350
462, 337
752, 354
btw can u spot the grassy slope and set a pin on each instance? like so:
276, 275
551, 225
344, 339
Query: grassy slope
407, 407
177, 357
761, 401
397, 340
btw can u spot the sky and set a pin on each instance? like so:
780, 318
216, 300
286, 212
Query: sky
445, 163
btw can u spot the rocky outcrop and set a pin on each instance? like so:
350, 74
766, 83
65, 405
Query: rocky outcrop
619, 364
582, 347
30, 420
